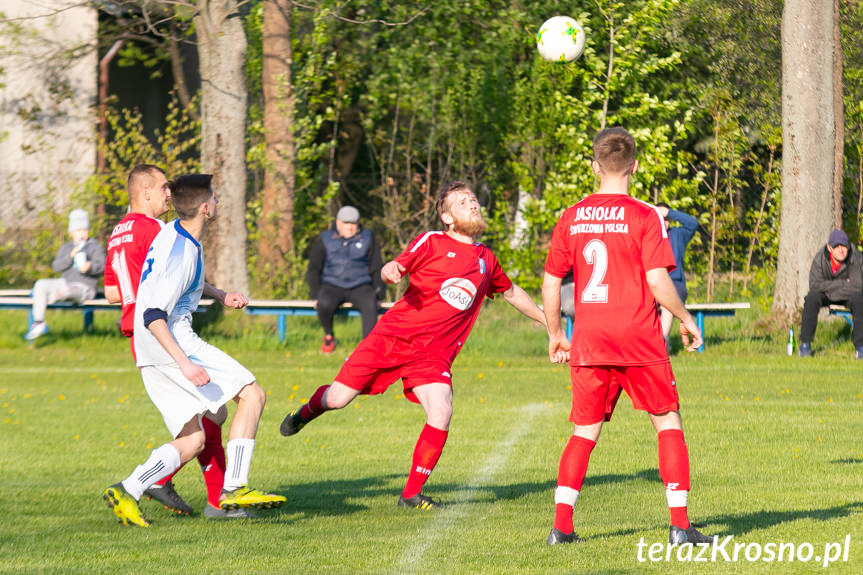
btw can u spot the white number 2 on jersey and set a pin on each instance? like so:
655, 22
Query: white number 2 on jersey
596, 254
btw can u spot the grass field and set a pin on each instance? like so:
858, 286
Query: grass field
776, 446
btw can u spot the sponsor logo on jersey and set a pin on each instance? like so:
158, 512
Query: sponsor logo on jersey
451, 255
458, 292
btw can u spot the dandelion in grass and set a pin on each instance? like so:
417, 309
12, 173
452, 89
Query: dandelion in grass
62, 398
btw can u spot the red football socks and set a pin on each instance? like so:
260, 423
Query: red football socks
315, 405
570, 477
674, 471
426, 454
212, 460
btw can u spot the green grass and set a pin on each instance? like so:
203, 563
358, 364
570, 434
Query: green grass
775, 446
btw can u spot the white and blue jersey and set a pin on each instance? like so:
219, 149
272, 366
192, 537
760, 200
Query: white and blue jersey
172, 281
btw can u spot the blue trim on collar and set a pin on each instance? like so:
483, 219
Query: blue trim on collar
183, 232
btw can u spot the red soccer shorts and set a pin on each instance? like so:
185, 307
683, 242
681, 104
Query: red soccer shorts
596, 389
380, 360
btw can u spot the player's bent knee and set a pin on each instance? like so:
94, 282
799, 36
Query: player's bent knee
339, 395
254, 394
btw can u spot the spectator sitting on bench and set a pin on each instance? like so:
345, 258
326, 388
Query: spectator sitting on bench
344, 265
80, 262
836, 277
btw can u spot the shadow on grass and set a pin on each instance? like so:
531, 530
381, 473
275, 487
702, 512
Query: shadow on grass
340, 497
742, 523
850, 460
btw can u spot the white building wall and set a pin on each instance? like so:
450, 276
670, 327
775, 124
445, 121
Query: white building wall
48, 92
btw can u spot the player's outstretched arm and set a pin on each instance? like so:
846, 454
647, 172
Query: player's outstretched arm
392, 272
235, 300
194, 373
518, 298
663, 290
558, 345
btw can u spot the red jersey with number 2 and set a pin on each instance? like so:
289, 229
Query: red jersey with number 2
448, 283
610, 241
127, 249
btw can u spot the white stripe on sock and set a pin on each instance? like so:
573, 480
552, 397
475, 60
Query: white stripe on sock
239, 458
566, 495
676, 498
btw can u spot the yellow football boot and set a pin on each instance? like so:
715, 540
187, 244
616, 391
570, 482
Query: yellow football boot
246, 497
124, 505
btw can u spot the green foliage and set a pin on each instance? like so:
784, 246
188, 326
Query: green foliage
175, 149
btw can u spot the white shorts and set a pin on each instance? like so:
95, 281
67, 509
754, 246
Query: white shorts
179, 400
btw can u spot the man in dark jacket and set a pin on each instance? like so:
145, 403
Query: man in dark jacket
344, 265
836, 277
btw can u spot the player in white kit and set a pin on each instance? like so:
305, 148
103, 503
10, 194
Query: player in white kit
185, 376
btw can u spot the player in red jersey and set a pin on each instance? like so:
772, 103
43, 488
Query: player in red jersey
418, 339
620, 256
149, 198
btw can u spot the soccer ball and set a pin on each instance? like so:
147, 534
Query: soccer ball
560, 39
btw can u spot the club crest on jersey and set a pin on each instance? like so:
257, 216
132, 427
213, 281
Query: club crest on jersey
458, 292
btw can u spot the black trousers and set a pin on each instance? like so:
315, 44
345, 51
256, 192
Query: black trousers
362, 297
813, 303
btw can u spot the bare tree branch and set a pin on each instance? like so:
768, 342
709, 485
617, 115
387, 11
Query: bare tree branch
372, 21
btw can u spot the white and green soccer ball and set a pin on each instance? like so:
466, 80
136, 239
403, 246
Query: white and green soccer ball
560, 39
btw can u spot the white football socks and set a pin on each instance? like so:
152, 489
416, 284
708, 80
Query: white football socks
163, 461
238, 455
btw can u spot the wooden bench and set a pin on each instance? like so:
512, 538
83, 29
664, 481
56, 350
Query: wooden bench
281, 308
25, 302
699, 310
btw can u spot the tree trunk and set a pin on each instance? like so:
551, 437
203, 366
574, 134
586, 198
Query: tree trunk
177, 70
807, 152
838, 121
222, 54
277, 199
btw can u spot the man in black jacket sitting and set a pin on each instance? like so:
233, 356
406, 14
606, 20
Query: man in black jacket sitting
344, 265
836, 277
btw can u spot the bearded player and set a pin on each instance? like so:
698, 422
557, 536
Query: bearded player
620, 256
418, 339
149, 198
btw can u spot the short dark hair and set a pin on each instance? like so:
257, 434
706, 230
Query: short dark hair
141, 171
614, 150
446, 190
189, 191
